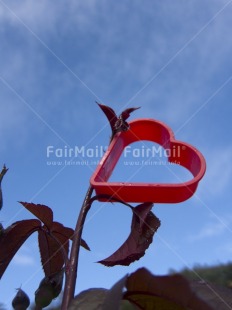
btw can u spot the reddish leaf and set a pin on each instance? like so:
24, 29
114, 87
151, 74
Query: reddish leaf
42, 212
121, 125
162, 292
142, 211
110, 114
126, 113
61, 229
68, 233
1, 230
54, 248
50, 252
144, 225
85, 245
2, 173
117, 123
12, 239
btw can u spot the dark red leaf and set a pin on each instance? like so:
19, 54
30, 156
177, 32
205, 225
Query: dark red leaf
12, 239
68, 233
42, 212
54, 249
144, 225
50, 251
110, 114
142, 211
162, 292
1, 197
117, 124
3, 172
126, 113
61, 229
1, 230
85, 245
121, 125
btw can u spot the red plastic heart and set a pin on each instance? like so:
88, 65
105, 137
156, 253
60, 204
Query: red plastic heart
158, 132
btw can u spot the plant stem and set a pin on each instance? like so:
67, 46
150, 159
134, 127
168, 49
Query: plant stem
71, 273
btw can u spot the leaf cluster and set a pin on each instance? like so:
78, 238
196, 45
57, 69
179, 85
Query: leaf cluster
117, 123
142, 290
53, 239
139, 290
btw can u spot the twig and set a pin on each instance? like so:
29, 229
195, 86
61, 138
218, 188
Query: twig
71, 272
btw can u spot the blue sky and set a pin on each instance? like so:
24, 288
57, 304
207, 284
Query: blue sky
171, 58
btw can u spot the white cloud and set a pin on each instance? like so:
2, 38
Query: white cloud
208, 231
212, 229
23, 259
37, 16
46, 18
106, 53
166, 59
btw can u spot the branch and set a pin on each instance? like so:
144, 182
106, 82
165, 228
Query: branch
71, 272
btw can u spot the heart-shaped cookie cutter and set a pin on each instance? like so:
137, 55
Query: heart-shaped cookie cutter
158, 132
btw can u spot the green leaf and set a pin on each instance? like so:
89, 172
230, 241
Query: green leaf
49, 288
126, 305
114, 295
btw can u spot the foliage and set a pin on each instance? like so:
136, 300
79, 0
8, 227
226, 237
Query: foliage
139, 290
53, 239
218, 274
144, 225
142, 290
3, 172
119, 123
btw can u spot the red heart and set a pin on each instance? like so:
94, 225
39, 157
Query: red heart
158, 132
